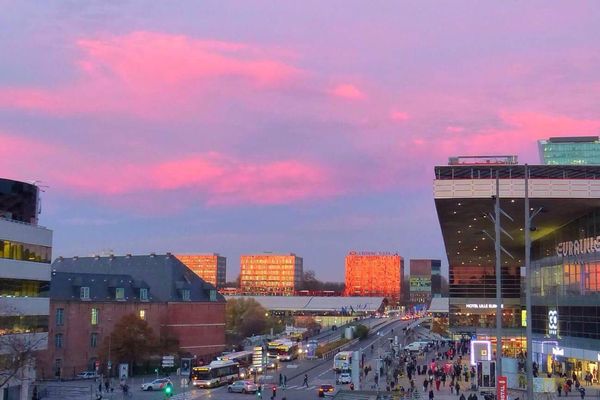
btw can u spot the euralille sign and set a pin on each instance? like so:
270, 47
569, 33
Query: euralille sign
578, 247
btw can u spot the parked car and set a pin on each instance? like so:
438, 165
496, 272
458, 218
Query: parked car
326, 390
242, 387
87, 375
344, 378
157, 384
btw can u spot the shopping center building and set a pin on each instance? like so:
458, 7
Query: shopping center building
565, 256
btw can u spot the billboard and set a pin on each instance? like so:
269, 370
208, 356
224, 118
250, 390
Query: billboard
420, 283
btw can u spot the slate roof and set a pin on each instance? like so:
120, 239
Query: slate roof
163, 275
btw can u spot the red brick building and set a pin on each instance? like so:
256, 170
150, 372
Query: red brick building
88, 296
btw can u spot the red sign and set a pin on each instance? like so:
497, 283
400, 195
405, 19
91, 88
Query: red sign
502, 388
97, 364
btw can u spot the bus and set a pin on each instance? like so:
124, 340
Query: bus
243, 358
215, 374
282, 349
342, 361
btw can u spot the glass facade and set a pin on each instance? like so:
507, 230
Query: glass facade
23, 324
210, 267
475, 281
271, 274
570, 151
23, 288
374, 274
25, 252
18, 201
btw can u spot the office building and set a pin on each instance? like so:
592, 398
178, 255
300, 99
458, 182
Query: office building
421, 280
437, 280
270, 274
374, 274
574, 150
25, 255
211, 268
565, 238
90, 295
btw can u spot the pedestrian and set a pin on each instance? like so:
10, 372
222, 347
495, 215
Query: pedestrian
280, 379
425, 384
305, 383
107, 385
431, 395
582, 392
100, 387
462, 397
285, 381
457, 389
437, 384
451, 389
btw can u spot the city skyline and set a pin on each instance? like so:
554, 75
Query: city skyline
311, 129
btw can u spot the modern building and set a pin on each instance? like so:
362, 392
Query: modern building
565, 238
270, 274
438, 282
90, 295
574, 150
378, 274
25, 255
211, 268
421, 279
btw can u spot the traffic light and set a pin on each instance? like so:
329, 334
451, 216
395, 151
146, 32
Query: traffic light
168, 391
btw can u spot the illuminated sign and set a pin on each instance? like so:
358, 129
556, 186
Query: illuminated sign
502, 388
524, 318
552, 322
598, 356
557, 351
577, 247
484, 305
420, 284
481, 350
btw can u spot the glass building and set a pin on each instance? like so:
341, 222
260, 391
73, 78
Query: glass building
210, 267
25, 256
576, 150
374, 274
271, 274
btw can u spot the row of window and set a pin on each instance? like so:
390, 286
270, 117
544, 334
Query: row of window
119, 293
11, 324
23, 288
25, 252
59, 340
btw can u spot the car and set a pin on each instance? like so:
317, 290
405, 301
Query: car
271, 365
344, 377
157, 384
242, 387
326, 390
87, 375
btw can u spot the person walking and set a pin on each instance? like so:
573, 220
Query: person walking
559, 389
457, 389
431, 395
582, 392
425, 384
462, 397
285, 381
305, 383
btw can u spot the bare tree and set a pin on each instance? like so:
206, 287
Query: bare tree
17, 352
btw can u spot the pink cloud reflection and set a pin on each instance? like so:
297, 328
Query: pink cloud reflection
347, 91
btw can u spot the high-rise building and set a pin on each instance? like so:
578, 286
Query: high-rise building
270, 274
574, 150
421, 279
25, 256
210, 267
437, 280
565, 254
374, 274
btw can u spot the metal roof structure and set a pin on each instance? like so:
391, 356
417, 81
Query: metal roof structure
439, 305
316, 304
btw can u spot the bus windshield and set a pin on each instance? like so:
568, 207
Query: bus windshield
201, 373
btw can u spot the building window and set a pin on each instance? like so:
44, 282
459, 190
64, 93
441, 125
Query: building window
143, 314
144, 294
95, 316
60, 315
213, 295
94, 340
84, 293
185, 295
120, 293
58, 340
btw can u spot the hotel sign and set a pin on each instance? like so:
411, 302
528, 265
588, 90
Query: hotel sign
578, 247
552, 322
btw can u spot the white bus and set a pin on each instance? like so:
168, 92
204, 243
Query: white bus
342, 361
215, 374
282, 349
243, 358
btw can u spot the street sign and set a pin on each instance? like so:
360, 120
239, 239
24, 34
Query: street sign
186, 366
168, 361
97, 363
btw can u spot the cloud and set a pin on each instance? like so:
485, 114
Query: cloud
152, 75
347, 91
399, 116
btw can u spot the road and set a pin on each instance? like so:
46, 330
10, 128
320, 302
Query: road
319, 372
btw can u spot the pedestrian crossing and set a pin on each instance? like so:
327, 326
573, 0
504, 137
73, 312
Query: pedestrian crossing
297, 387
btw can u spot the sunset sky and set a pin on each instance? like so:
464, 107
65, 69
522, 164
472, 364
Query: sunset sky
288, 126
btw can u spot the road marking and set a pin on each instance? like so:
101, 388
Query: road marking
292, 366
311, 388
290, 387
323, 373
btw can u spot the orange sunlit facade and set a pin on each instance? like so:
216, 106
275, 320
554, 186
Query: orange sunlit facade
270, 274
210, 267
374, 274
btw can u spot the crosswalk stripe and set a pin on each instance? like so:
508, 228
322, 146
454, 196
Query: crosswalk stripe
291, 387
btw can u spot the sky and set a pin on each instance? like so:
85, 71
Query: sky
288, 126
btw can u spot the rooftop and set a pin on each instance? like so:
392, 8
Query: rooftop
314, 303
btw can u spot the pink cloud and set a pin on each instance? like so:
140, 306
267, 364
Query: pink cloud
152, 74
399, 116
347, 91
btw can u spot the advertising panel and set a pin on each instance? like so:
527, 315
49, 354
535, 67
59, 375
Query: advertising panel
502, 388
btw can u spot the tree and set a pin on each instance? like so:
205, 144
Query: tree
245, 317
361, 331
18, 351
310, 282
132, 340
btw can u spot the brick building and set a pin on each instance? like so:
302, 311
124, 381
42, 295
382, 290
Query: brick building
212, 268
271, 274
374, 274
89, 295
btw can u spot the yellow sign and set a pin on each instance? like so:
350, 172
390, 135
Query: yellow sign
523, 318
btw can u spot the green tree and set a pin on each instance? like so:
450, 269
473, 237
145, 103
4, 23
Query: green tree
361, 331
245, 317
131, 341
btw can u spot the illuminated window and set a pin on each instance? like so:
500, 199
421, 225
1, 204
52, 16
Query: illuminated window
120, 293
95, 316
143, 314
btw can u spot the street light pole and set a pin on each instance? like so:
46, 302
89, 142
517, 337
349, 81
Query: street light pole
498, 280
528, 327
